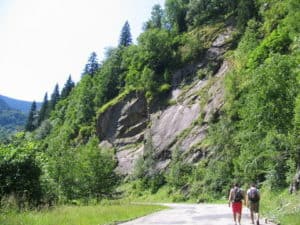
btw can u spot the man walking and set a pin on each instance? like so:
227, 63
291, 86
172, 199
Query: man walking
252, 201
235, 199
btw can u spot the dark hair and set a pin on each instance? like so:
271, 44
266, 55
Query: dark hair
237, 184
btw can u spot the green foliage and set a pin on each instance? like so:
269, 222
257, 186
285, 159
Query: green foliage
176, 11
145, 171
20, 172
110, 79
157, 18
90, 175
202, 11
246, 10
280, 206
178, 172
278, 42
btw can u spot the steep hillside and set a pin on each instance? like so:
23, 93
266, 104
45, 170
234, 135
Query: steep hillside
131, 123
208, 96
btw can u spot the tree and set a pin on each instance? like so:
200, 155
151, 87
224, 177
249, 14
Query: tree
54, 97
44, 111
31, 123
110, 79
176, 14
125, 37
69, 85
92, 65
201, 11
157, 15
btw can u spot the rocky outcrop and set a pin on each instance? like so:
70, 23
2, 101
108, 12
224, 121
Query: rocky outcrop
182, 125
124, 122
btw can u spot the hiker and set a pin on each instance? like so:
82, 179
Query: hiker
235, 199
252, 201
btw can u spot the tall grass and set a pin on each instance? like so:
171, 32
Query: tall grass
79, 215
281, 206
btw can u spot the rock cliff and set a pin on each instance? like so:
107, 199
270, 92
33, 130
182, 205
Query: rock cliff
183, 123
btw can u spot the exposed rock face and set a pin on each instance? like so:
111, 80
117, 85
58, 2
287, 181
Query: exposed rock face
182, 125
124, 123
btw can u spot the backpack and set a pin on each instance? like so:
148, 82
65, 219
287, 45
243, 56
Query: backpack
253, 195
238, 195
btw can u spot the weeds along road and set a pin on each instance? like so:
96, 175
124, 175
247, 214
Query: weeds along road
194, 214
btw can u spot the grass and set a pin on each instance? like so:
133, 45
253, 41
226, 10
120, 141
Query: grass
281, 207
79, 215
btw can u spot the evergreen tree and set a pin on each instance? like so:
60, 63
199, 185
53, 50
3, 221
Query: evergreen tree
69, 85
54, 98
31, 123
92, 65
156, 20
125, 37
44, 111
176, 11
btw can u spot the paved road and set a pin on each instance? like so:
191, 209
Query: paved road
193, 214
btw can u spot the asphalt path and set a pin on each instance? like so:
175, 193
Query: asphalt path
194, 214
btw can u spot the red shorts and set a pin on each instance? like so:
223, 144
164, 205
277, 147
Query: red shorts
237, 207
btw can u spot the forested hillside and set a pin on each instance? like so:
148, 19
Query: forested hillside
11, 120
209, 95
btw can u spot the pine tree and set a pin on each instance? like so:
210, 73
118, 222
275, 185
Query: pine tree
92, 65
156, 21
54, 98
125, 37
44, 111
31, 123
69, 85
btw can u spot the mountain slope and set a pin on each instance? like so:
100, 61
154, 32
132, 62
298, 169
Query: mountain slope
13, 115
21, 105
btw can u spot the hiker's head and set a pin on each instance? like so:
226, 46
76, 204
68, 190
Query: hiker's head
253, 184
237, 184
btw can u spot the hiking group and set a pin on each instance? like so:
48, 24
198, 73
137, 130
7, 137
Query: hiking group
251, 200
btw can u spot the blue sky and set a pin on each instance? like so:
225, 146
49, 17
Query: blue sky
42, 42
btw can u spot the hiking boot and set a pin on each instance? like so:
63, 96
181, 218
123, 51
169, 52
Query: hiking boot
257, 222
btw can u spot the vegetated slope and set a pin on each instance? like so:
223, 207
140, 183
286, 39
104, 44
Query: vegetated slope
208, 98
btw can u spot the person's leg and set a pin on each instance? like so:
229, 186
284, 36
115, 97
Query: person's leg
234, 212
234, 217
256, 210
239, 216
257, 218
252, 216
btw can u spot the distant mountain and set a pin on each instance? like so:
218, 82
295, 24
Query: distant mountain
13, 115
16, 104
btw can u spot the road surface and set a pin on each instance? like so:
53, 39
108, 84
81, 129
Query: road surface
193, 214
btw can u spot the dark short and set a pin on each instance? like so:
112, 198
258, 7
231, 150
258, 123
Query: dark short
254, 206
